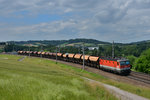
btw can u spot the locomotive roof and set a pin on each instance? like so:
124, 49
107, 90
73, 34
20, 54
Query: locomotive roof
114, 59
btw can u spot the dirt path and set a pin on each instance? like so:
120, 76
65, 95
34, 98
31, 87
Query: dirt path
21, 59
121, 94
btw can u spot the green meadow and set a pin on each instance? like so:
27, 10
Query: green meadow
42, 79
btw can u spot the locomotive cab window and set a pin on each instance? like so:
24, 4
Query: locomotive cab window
127, 62
122, 63
117, 63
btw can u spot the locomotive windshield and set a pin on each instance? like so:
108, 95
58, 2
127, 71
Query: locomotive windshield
124, 63
127, 62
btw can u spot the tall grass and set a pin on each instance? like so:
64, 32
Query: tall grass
40, 79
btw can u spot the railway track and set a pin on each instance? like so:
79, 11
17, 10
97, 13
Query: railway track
142, 77
134, 77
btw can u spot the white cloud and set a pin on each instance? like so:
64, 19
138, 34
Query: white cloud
107, 20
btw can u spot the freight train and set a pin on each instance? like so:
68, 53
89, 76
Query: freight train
115, 65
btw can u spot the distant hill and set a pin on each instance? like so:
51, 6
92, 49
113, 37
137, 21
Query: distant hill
140, 42
75, 42
71, 42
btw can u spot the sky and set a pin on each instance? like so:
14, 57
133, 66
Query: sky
123, 21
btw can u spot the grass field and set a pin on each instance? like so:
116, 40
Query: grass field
35, 78
41, 79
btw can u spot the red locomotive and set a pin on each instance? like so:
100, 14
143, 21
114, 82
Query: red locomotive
116, 65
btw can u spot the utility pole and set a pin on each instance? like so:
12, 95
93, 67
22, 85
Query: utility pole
79, 48
97, 52
56, 54
13, 48
113, 53
41, 50
83, 57
59, 48
29, 50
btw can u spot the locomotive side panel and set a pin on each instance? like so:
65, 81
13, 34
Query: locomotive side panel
115, 66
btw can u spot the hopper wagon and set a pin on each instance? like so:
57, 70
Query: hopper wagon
77, 58
93, 61
71, 57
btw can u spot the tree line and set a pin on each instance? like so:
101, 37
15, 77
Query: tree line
138, 54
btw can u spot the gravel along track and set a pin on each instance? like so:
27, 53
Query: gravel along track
140, 76
142, 79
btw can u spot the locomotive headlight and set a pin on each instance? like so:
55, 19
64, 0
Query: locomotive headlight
117, 66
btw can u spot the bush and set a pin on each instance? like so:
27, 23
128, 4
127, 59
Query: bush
132, 60
143, 62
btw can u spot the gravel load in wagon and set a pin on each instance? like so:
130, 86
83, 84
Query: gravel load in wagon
20, 52
54, 54
77, 56
71, 55
31, 52
59, 54
93, 59
64, 55
85, 57
34, 52
24, 52
50, 53
43, 53
38, 53
47, 53
28, 52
